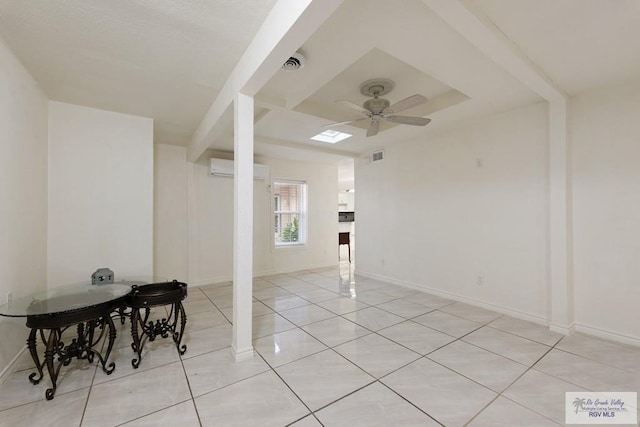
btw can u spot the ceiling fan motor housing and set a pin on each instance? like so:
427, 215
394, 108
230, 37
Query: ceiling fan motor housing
376, 105
376, 87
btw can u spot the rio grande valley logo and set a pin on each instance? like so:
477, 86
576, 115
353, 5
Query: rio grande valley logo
579, 403
601, 408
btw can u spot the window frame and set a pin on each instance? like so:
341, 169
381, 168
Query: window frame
276, 215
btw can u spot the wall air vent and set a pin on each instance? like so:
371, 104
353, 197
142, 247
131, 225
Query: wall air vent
377, 156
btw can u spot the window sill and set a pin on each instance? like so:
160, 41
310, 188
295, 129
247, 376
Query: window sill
290, 247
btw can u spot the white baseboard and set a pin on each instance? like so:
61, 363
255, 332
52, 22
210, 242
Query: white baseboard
256, 274
290, 270
210, 281
561, 329
608, 335
489, 306
10, 368
242, 355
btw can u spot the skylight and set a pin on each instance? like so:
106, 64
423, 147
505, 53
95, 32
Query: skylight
330, 136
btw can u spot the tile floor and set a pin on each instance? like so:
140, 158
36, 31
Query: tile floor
333, 349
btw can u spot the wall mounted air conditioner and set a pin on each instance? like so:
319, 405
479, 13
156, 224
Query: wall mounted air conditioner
222, 167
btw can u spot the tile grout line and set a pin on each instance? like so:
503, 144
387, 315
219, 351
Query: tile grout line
512, 383
410, 402
193, 399
290, 389
86, 403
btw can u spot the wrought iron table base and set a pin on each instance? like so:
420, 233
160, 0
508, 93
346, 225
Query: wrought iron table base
121, 313
58, 354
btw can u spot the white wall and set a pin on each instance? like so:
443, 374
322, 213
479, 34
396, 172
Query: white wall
346, 200
23, 194
605, 133
321, 249
429, 216
170, 212
211, 219
100, 193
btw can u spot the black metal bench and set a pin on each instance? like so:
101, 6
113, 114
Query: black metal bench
141, 300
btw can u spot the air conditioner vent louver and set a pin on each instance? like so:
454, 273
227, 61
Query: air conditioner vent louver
377, 156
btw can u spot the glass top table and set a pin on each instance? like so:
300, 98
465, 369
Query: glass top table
138, 280
73, 297
64, 299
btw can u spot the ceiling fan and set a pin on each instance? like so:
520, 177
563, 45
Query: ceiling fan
377, 109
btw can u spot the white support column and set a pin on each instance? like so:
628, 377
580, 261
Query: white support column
192, 231
242, 226
560, 221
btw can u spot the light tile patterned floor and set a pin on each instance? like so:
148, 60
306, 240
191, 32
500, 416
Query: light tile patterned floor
333, 349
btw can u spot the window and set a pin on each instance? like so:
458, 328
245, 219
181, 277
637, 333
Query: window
289, 208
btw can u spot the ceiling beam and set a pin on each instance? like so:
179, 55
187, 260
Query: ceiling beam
288, 26
482, 33
307, 147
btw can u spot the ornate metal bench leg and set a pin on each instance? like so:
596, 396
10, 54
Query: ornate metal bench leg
177, 334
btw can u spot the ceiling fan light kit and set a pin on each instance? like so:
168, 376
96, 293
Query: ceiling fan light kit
377, 109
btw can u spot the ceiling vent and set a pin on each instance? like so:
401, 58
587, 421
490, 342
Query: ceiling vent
377, 156
294, 63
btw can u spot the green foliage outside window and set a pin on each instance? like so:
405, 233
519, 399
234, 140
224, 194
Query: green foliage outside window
290, 232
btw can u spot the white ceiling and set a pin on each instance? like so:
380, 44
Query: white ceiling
579, 44
163, 59
168, 60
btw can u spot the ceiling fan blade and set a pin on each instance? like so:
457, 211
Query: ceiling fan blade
355, 107
406, 103
406, 120
373, 127
330, 125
